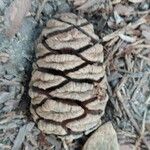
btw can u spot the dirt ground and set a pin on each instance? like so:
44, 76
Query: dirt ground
124, 30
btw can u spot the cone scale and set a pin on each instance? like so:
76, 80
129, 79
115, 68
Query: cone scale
68, 84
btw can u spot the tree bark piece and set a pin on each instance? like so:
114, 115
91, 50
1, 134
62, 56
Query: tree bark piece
104, 138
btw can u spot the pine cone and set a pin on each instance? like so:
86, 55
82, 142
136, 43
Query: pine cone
68, 84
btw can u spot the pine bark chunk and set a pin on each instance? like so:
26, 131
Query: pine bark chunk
68, 84
104, 138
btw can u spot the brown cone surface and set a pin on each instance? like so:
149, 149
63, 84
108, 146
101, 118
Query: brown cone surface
68, 84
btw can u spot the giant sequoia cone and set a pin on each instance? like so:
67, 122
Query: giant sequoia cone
68, 85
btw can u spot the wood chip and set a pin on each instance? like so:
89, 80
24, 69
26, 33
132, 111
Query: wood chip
15, 14
135, 1
3, 146
127, 147
4, 96
90, 5
124, 10
118, 19
127, 38
115, 1
4, 57
130, 26
104, 138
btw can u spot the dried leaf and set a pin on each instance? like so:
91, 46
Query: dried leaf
14, 15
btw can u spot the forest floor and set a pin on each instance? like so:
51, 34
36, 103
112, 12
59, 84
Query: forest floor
124, 30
